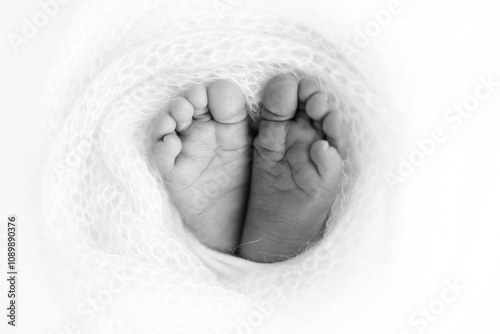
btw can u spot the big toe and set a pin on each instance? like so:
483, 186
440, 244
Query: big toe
226, 102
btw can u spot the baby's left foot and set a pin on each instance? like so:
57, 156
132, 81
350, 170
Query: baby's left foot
297, 168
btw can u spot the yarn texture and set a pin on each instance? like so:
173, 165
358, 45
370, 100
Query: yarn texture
108, 216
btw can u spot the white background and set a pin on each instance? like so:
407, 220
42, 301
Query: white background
432, 54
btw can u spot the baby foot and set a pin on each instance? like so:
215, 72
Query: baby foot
204, 156
296, 170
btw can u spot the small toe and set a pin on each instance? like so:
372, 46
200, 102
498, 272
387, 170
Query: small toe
327, 160
198, 96
182, 112
280, 98
165, 124
307, 88
335, 131
166, 151
317, 107
226, 102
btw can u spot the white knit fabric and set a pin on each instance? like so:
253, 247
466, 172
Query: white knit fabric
108, 215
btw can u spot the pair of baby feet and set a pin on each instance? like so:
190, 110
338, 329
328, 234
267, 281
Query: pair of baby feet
265, 198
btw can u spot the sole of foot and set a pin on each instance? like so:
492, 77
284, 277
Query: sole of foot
297, 168
204, 153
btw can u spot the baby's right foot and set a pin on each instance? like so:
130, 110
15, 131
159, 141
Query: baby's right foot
204, 156
296, 170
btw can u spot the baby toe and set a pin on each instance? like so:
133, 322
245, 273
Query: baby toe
327, 160
307, 88
335, 130
182, 112
317, 107
166, 152
165, 124
198, 96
